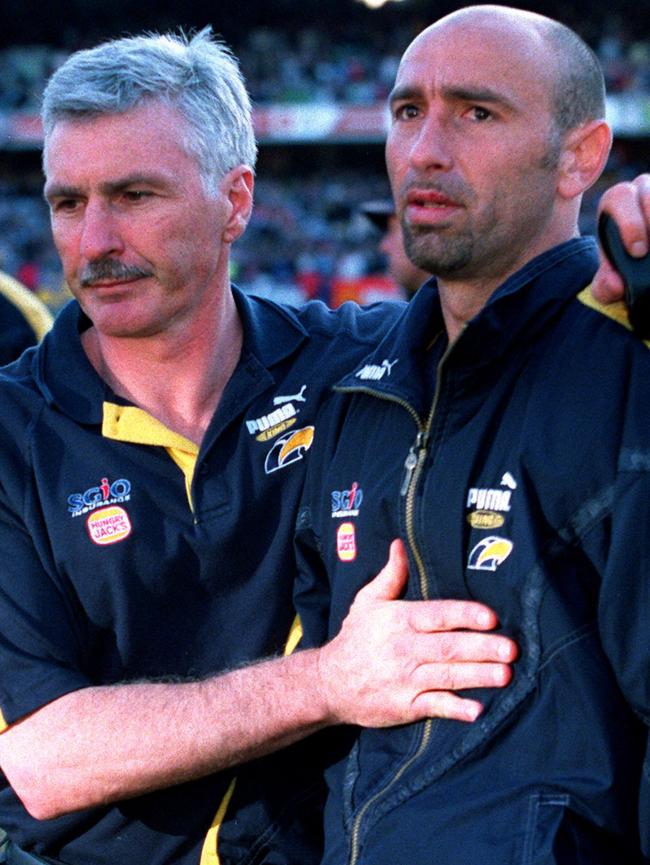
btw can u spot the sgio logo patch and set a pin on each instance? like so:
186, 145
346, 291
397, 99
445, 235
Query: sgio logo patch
346, 503
106, 493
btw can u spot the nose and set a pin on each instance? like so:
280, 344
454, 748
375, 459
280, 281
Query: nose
431, 145
100, 235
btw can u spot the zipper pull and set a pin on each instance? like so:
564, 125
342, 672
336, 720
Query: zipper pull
410, 463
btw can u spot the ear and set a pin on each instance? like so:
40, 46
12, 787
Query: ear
237, 186
583, 157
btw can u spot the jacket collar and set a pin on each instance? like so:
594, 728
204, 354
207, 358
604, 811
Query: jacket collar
271, 332
68, 380
515, 311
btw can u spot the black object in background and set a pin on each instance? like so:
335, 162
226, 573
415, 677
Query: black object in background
635, 273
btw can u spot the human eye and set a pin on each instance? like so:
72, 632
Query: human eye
405, 111
479, 113
136, 195
64, 206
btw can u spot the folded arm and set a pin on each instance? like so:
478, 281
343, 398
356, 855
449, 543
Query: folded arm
392, 662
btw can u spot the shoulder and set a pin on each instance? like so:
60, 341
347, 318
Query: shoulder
616, 313
367, 324
361, 324
594, 328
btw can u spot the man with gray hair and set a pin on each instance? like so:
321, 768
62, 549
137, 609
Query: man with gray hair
153, 454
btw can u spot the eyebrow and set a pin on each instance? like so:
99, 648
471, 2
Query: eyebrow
464, 93
110, 187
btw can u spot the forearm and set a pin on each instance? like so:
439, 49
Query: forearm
392, 662
108, 743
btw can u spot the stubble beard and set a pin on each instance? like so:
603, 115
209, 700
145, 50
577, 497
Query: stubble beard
437, 251
457, 253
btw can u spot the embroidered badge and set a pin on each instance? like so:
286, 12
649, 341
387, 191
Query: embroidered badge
489, 553
108, 525
293, 397
346, 503
346, 542
289, 449
488, 506
106, 493
270, 425
375, 372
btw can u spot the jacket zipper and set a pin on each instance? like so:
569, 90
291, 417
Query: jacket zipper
413, 465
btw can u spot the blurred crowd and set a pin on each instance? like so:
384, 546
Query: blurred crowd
307, 236
309, 64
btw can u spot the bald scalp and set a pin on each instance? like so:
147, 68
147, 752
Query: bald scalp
577, 85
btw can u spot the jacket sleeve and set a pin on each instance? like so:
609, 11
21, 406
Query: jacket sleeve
621, 543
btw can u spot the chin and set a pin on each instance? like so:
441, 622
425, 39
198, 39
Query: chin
123, 327
121, 318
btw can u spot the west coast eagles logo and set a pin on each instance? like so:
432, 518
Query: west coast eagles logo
489, 553
289, 449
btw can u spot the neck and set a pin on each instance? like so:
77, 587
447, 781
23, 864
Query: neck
462, 301
177, 377
463, 298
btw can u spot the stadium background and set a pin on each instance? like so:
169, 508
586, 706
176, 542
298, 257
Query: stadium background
318, 74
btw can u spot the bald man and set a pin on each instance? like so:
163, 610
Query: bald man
501, 428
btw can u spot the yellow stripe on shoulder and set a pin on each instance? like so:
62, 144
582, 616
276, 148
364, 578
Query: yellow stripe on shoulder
3, 724
616, 311
33, 310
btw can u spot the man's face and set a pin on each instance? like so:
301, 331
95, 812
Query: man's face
471, 152
139, 239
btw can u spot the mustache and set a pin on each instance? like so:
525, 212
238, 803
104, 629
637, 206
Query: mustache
111, 269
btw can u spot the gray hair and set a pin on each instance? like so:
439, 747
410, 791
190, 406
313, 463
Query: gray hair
199, 76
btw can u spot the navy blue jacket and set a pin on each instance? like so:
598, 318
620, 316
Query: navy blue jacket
516, 466
129, 554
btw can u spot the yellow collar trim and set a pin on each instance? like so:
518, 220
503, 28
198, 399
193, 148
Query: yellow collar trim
127, 423
616, 311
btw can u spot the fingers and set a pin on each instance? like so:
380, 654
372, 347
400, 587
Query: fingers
607, 286
438, 681
451, 615
441, 704
462, 646
629, 205
460, 677
389, 583
396, 661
